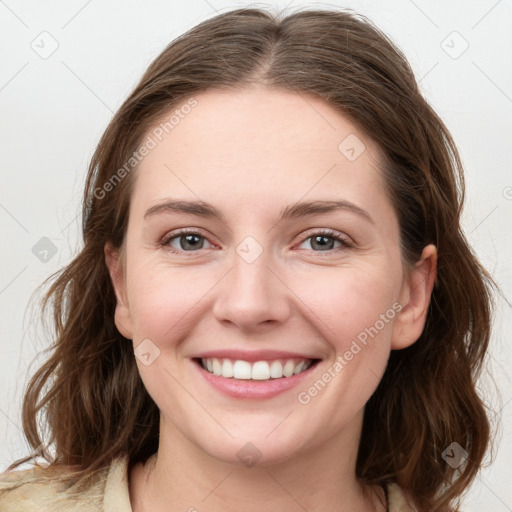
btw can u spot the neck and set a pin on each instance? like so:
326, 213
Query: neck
181, 477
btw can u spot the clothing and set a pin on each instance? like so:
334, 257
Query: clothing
107, 491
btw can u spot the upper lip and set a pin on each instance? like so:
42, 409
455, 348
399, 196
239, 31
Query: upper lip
255, 355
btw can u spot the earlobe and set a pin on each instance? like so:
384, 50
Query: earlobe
114, 264
415, 300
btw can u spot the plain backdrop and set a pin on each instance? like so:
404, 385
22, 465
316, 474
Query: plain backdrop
67, 66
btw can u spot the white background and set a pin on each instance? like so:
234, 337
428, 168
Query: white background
54, 110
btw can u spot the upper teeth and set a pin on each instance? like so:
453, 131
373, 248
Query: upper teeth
259, 370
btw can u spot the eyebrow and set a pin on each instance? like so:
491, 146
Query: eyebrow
297, 210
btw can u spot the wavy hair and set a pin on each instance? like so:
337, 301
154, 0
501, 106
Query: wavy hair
427, 398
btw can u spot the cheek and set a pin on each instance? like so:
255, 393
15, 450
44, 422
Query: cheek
356, 312
163, 300
364, 311
351, 301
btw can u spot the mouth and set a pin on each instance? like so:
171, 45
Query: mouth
264, 370
260, 374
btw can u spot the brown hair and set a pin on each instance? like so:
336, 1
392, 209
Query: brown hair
427, 398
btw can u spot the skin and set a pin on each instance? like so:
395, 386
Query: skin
250, 155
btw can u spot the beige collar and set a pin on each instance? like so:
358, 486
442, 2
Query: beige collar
117, 494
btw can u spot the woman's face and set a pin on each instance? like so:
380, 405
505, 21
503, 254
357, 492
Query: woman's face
290, 253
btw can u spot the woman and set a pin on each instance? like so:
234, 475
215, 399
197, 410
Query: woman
275, 307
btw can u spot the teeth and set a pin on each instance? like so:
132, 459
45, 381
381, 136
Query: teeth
227, 368
299, 368
241, 369
288, 369
276, 370
259, 370
217, 367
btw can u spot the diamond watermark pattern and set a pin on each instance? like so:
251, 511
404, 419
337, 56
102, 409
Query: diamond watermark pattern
45, 45
249, 249
455, 455
454, 45
44, 250
146, 352
351, 147
249, 455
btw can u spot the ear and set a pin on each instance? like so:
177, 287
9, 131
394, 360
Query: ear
114, 261
415, 299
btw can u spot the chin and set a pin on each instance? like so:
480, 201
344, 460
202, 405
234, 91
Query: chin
251, 450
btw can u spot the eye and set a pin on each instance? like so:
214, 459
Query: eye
185, 240
325, 241
190, 240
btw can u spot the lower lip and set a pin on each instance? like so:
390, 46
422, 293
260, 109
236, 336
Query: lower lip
253, 388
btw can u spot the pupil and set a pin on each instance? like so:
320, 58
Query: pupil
190, 241
325, 242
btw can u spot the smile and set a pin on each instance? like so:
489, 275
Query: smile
258, 370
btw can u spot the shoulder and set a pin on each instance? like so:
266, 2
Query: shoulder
399, 500
58, 491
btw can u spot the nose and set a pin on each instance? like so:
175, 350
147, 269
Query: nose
252, 296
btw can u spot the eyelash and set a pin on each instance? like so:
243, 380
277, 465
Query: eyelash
345, 243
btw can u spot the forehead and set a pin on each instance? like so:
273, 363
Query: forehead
258, 121
282, 145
